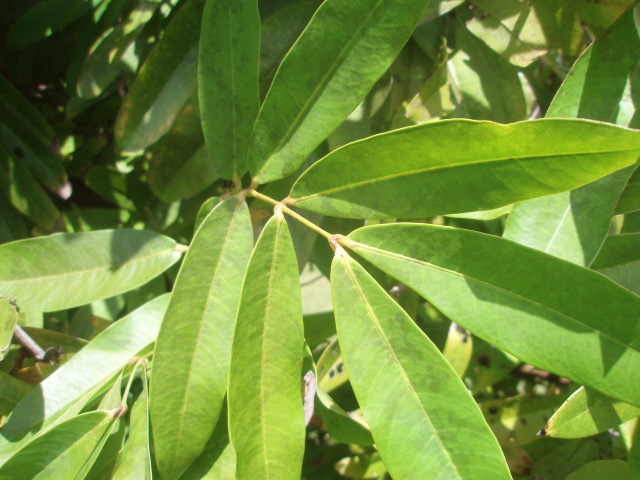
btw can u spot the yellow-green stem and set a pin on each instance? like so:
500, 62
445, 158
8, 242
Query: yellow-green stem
288, 211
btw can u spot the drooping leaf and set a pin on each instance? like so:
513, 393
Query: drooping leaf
63, 451
228, 78
165, 83
65, 270
526, 302
23, 192
104, 61
574, 224
179, 164
8, 322
491, 166
135, 459
29, 136
343, 51
588, 413
95, 364
423, 420
266, 419
186, 392
619, 259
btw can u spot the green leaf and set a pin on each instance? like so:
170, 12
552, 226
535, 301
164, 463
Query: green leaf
95, 364
331, 370
26, 131
62, 452
588, 413
362, 466
191, 361
491, 166
135, 459
602, 469
228, 79
423, 420
8, 322
165, 83
342, 426
266, 420
179, 164
65, 270
343, 51
630, 197
23, 192
458, 349
532, 305
573, 225
619, 259
104, 61
12, 391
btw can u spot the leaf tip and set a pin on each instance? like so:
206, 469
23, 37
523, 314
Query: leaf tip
542, 432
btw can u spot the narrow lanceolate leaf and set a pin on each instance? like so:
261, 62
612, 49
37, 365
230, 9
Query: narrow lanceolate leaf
573, 225
135, 459
266, 418
63, 451
191, 360
8, 322
344, 50
588, 413
100, 360
228, 79
423, 420
548, 312
66, 270
619, 259
165, 83
415, 171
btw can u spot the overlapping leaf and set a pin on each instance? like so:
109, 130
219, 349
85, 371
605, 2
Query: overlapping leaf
343, 51
553, 314
423, 420
65, 270
619, 259
228, 79
490, 166
266, 420
573, 225
186, 392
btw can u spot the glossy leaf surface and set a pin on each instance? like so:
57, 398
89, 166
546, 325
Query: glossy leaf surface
423, 420
61, 452
266, 421
186, 392
165, 83
535, 306
66, 270
8, 322
573, 225
492, 166
107, 354
228, 79
588, 413
343, 51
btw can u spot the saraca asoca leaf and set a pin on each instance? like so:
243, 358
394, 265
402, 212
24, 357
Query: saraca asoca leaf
548, 312
415, 172
266, 420
588, 413
62, 452
228, 81
66, 270
345, 49
423, 420
186, 392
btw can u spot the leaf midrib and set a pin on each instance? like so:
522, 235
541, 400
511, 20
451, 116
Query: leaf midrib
494, 287
324, 81
414, 394
295, 200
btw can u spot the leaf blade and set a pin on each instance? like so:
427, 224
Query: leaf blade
343, 51
266, 418
412, 423
492, 165
186, 394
